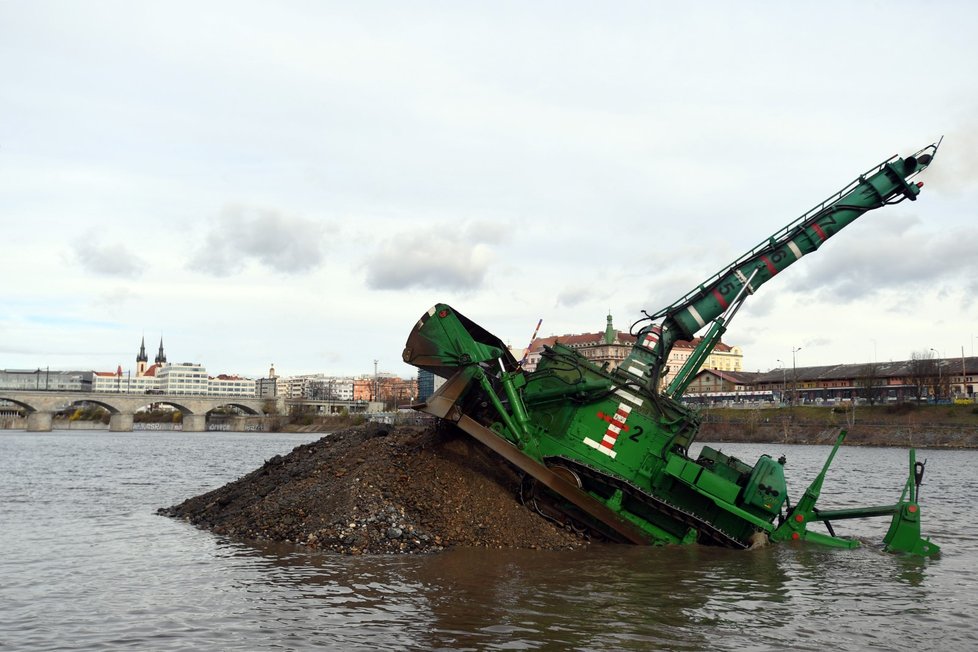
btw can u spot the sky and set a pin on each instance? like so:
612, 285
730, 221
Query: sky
296, 183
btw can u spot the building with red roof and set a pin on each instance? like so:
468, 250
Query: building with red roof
612, 346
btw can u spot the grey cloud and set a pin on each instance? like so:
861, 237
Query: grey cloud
666, 288
114, 299
574, 296
445, 257
901, 257
109, 260
818, 341
762, 304
279, 242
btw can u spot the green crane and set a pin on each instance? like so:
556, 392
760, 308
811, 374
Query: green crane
605, 451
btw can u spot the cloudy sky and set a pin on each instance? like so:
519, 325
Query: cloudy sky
297, 182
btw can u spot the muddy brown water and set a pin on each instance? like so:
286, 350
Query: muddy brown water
86, 564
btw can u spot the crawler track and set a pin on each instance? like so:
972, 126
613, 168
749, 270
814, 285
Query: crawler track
707, 533
598, 518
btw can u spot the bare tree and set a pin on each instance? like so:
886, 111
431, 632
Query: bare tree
317, 390
867, 382
922, 373
940, 381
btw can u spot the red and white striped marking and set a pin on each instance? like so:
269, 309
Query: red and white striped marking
615, 425
650, 339
526, 353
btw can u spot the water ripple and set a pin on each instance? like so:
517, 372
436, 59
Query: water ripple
87, 564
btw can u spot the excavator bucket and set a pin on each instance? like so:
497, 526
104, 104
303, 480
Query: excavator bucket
444, 340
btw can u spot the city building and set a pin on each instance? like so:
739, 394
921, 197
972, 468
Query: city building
925, 379
296, 387
192, 379
228, 385
46, 379
184, 378
386, 388
109, 381
718, 380
267, 387
428, 384
612, 346
317, 387
162, 377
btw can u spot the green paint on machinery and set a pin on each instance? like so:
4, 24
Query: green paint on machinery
605, 451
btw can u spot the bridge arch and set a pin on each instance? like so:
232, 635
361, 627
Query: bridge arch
182, 406
113, 409
41, 405
19, 403
247, 409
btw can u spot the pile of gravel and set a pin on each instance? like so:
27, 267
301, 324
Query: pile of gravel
379, 489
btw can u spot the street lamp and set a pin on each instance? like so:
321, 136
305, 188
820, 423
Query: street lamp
937, 394
794, 375
784, 379
374, 397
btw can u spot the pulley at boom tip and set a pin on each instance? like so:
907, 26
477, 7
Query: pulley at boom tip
921, 159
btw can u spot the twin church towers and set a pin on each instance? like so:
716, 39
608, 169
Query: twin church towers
142, 361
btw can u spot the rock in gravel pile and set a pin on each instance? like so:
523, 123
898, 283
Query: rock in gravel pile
379, 489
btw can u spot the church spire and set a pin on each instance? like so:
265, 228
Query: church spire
141, 358
161, 357
609, 332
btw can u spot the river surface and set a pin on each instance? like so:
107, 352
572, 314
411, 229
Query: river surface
86, 564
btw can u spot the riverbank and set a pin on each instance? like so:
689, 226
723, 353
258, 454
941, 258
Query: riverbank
906, 424
273, 424
903, 425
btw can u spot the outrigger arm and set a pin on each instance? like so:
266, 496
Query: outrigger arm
902, 536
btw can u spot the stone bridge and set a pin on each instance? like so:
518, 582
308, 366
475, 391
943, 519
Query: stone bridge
41, 406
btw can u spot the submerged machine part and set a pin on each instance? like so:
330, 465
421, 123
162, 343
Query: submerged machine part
606, 451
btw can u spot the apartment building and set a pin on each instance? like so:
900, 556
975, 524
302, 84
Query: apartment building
612, 346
